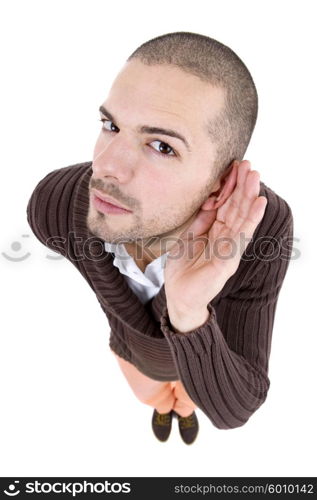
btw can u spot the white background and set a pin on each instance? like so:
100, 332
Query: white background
66, 408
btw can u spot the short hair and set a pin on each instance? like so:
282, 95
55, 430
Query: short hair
214, 63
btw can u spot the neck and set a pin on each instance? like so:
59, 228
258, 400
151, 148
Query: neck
146, 250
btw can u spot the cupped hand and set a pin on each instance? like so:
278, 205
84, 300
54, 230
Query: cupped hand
208, 253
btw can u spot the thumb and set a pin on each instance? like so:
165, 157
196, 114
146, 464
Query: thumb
200, 225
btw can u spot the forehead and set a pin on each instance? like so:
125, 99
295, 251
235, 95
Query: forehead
164, 95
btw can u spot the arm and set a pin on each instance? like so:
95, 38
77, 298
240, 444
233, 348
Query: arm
42, 211
48, 209
223, 363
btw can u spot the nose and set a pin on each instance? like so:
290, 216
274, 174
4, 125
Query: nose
116, 157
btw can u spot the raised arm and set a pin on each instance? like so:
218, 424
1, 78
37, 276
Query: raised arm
223, 364
221, 346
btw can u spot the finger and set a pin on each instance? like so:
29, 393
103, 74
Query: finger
238, 216
252, 221
233, 243
201, 225
251, 193
239, 207
232, 203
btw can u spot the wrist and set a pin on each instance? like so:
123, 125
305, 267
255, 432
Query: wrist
186, 322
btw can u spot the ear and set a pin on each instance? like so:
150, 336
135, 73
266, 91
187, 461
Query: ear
227, 184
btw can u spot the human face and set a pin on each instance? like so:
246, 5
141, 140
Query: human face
162, 179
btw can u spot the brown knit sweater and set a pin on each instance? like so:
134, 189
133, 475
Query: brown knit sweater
223, 364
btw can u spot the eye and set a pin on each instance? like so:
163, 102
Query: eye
111, 127
164, 149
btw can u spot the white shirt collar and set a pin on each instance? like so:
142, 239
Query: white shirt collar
153, 273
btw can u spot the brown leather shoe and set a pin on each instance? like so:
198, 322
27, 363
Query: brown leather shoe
188, 427
162, 424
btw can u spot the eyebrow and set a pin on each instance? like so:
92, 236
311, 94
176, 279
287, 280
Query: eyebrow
146, 129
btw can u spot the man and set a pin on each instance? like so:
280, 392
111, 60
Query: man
189, 269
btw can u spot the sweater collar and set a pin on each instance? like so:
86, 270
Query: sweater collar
96, 264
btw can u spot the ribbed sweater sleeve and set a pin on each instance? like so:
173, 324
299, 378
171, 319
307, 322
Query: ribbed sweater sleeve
228, 379
48, 209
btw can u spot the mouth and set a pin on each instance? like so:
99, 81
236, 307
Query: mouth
107, 205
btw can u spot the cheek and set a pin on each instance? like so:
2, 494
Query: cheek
153, 198
156, 194
164, 200
162, 188
98, 146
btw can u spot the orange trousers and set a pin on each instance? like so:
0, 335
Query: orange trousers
163, 396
